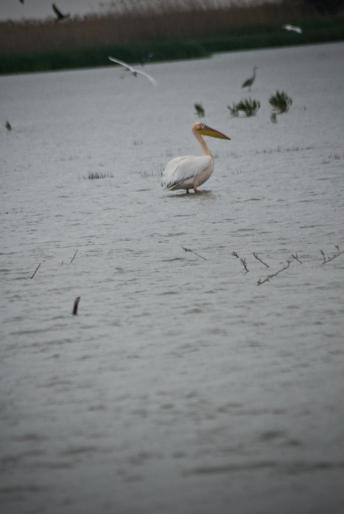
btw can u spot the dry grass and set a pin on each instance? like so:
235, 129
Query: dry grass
181, 30
154, 24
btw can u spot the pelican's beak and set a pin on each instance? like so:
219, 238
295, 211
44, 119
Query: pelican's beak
208, 131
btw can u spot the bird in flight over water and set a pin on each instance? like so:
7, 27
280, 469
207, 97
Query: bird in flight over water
292, 28
59, 15
132, 70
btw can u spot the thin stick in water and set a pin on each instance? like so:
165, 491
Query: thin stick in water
74, 255
242, 260
260, 260
272, 275
193, 251
76, 305
296, 257
323, 256
37, 268
334, 256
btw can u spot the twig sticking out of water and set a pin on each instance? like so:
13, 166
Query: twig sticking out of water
193, 251
272, 275
74, 255
242, 260
37, 268
76, 305
260, 260
323, 256
334, 256
296, 257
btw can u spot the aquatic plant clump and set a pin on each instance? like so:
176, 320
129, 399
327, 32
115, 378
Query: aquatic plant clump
280, 102
248, 106
96, 175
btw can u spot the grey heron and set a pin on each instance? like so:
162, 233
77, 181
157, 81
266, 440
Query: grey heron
248, 82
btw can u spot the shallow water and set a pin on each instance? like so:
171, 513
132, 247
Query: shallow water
181, 385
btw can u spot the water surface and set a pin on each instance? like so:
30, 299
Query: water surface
181, 385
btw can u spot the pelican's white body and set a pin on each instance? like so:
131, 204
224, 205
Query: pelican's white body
187, 171
190, 171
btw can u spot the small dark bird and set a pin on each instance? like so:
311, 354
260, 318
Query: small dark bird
8, 125
21, 1
248, 82
199, 110
59, 15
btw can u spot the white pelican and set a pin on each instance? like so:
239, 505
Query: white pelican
248, 82
293, 28
134, 71
190, 171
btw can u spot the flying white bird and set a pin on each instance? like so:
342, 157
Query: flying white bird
134, 71
190, 171
292, 28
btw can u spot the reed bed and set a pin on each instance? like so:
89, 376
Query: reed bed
170, 31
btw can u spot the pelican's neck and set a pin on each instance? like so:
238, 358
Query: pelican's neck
202, 142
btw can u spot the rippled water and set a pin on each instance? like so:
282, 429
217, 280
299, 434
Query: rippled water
181, 386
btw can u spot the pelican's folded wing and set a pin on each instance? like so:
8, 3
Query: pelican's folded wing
182, 171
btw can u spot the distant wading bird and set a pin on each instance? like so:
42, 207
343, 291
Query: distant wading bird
199, 110
190, 171
132, 70
292, 28
248, 82
59, 15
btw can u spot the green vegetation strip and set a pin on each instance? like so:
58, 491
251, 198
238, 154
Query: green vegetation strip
236, 39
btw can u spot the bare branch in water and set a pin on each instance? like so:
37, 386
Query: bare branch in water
74, 255
37, 268
296, 257
323, 256
76, 305
334, 256
242, 260
272, 275
195, 253
260, 260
